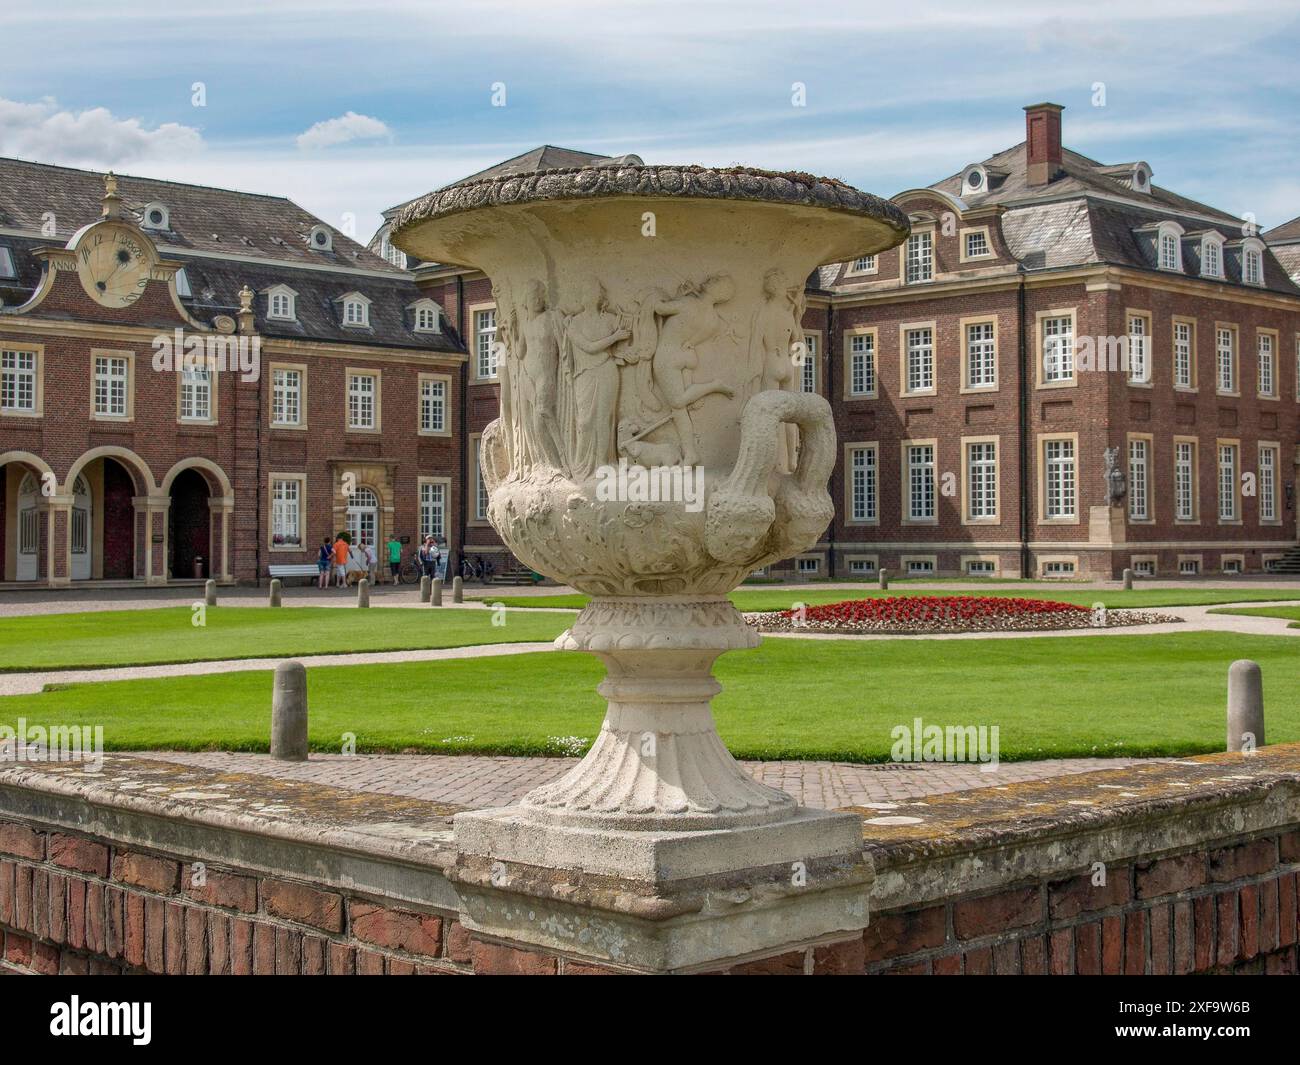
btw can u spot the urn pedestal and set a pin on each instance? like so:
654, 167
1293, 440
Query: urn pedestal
654, 447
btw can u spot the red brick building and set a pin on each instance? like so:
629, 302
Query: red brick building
1067, 370
322, 391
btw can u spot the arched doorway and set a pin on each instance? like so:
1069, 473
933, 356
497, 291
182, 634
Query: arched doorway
118, 529
189, 527
363, 516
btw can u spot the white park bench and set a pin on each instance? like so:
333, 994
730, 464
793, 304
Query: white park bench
294, 569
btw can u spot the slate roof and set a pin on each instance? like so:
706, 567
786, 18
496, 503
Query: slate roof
1286, 233
217, 221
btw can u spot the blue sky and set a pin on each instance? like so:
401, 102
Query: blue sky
351, 107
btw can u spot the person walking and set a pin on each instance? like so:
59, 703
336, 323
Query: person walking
372, 561
324, 562
428, 557
341, 561
394, 548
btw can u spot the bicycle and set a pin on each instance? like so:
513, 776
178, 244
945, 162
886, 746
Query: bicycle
410, 570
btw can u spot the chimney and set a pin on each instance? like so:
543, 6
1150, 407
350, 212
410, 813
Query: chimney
1042, 143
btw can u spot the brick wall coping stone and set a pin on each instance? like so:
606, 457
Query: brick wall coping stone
974, 840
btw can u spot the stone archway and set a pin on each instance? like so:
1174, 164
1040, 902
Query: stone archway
27, 497
188, 526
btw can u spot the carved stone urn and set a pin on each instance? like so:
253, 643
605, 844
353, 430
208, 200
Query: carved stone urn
654, 447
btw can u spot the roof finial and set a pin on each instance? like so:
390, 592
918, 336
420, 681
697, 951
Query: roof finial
245, 298
112, 201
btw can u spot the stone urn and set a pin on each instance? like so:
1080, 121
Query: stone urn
654, 447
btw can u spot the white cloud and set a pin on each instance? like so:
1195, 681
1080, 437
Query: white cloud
347, 127
44, 131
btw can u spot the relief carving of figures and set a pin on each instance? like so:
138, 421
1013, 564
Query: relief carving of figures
1116, 483
690, 319
589, 382
778, 327
535, 389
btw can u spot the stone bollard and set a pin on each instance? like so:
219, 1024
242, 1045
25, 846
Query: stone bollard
363, 592
457, 590
435, 592
1245, 706
426, 587
209, 593
274, 599
289, 713
1128, 580
884, 578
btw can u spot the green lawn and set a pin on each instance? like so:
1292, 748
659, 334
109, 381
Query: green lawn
1291, 613
772, 599
1050, 697
144, 637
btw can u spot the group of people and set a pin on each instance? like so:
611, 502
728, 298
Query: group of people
341, 561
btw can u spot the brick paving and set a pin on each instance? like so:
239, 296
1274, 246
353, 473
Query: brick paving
478, 781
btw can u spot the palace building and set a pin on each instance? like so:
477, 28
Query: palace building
195, 381
1065, 371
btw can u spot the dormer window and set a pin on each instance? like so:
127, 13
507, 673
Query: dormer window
183, 284
974, 181
356, 310
320, 238
427, 316
392, 253
1141, 180
1252, 263
1169, 247
281, 303
7, 263
1212, 255
155, 216
864, 265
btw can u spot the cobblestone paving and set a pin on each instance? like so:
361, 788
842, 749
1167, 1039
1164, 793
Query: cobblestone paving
475, 781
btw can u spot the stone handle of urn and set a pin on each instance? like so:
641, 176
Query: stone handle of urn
493, 457
743, 518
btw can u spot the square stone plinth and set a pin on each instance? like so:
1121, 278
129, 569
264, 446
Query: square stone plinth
662, 901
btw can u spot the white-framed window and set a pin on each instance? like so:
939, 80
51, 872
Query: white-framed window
920, 567
1268, 463
808, 566
981, 356
112, 382
1211, 257
433, 510
1183, 354
918, 258
480, 485
1225, 358
392, 252
1267, 374
17, 382
281, 305
1230, 565
1139, 349
862, 566
863, 480
1058, 568
920, 482
485, 340
1228, 510
363, 390
433, 405
7, 263
286, 396
183, 289
286, 512
982, 480
808, 376
981, 567
864, 265
1061, 481
1058, 348
1189, 567
1139, 483
356, 311
1184, 480
1252, 265
862, 364
196, 392
321, 238
427, 318
1170, 252
920, 359
976, 245
1143, 567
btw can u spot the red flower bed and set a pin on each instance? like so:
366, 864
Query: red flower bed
912, 609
